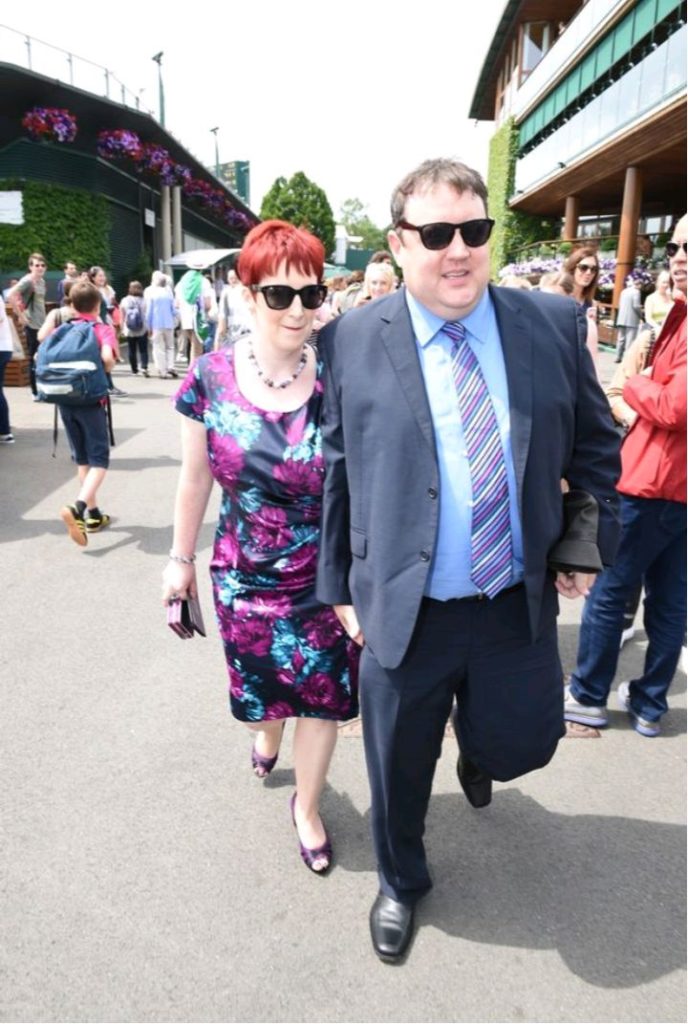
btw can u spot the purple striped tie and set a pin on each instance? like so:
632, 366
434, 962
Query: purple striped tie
490, 527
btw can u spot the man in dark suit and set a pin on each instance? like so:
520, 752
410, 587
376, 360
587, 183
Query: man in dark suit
452, 412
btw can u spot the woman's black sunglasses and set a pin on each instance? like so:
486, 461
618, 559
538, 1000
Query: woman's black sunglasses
673, 247
441, 235
281, 296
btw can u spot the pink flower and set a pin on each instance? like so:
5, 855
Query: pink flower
320, 690
236, 682
252, 635
227, 457
270, 530
267, 606
323, 630
301, 477
301, 563
227, 551
280, 709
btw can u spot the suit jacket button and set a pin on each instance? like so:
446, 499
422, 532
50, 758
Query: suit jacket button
424, 556
432, 493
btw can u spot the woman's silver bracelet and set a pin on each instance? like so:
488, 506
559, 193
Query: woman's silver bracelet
182, 558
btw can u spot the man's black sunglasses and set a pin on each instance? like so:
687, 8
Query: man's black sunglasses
673, 247
441, 234
281, 296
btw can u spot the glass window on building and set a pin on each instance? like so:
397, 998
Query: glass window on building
537, 39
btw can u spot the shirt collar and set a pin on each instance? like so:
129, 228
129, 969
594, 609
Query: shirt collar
426, 325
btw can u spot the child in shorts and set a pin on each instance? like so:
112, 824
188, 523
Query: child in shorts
87, 428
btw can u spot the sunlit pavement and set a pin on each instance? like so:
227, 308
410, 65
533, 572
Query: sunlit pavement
149, 877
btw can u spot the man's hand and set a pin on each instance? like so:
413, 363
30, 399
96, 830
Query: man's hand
349, 620
574, 584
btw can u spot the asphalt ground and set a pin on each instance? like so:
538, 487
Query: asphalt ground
148, 876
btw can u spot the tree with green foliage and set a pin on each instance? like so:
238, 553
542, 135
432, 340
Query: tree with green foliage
303, 203
513, 229
354, 216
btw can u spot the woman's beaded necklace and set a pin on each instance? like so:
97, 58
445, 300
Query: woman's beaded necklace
279, 384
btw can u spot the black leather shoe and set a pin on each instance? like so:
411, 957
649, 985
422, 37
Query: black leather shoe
476, 784
391, 927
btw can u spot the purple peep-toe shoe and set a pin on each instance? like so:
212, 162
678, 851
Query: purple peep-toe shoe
308, 856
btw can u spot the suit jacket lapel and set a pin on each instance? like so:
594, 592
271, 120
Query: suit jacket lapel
517, 346
398, 338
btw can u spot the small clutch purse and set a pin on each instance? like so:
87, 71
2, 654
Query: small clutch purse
184, 617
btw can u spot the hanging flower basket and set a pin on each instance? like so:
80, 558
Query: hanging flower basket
119, 144
50, 124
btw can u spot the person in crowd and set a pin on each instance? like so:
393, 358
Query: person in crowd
556, 282
6, 348
160, 319
379, 280
234, 317
560, 282
514, 281
628, 316
336, 288
194, 297
133, 313
659, 302
382, 256
352, 291
70, 274
87, 429
251, 422
211, 316
60, 315
584, 267
108, 300
444, 389
27, 299
653, 539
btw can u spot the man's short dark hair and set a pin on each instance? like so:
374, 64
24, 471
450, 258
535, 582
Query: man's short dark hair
430, 173
85, 297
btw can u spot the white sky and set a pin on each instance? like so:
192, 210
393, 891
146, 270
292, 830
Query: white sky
354, 94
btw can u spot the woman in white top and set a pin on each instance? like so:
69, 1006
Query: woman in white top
6, 436
659, 302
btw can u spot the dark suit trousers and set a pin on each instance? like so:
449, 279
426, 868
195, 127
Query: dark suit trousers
509, 693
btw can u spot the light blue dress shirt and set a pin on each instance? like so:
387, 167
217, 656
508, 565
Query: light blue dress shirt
450, 569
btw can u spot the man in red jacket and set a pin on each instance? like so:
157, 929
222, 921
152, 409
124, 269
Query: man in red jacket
653, 539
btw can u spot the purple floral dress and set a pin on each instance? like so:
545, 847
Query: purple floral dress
287, 654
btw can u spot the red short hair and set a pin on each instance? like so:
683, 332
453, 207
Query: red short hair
274, 242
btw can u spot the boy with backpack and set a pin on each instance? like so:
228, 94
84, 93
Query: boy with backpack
71, 368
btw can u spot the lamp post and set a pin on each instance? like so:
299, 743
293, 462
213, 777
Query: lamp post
158, 60
214, 132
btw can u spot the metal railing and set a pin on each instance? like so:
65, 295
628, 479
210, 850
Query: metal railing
46, 59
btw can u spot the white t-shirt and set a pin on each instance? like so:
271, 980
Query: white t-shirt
5, 329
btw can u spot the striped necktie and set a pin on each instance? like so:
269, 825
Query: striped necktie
490, 526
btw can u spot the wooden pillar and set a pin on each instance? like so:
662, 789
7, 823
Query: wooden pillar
176, 219
570, 231
628, 234
165, 222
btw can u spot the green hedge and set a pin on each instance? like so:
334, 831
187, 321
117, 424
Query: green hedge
512, 228
62, 223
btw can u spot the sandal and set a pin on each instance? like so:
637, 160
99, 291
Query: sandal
310, 856
262, 766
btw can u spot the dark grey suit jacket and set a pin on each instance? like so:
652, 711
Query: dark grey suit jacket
380, 507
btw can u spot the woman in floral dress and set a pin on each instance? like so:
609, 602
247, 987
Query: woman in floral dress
251, 416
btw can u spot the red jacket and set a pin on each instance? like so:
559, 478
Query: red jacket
653, 456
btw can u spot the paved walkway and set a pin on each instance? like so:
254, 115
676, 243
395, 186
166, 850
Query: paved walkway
147, 876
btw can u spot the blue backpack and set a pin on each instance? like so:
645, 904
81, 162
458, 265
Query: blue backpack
69, 367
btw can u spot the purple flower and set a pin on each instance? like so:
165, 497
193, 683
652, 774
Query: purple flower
50, 123
228, 457
119, 144
280, 709
270, 530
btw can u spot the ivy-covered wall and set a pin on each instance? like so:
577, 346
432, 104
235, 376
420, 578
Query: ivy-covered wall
62, 223
512, 228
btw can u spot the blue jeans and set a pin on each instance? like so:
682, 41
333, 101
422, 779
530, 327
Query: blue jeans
652, 549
